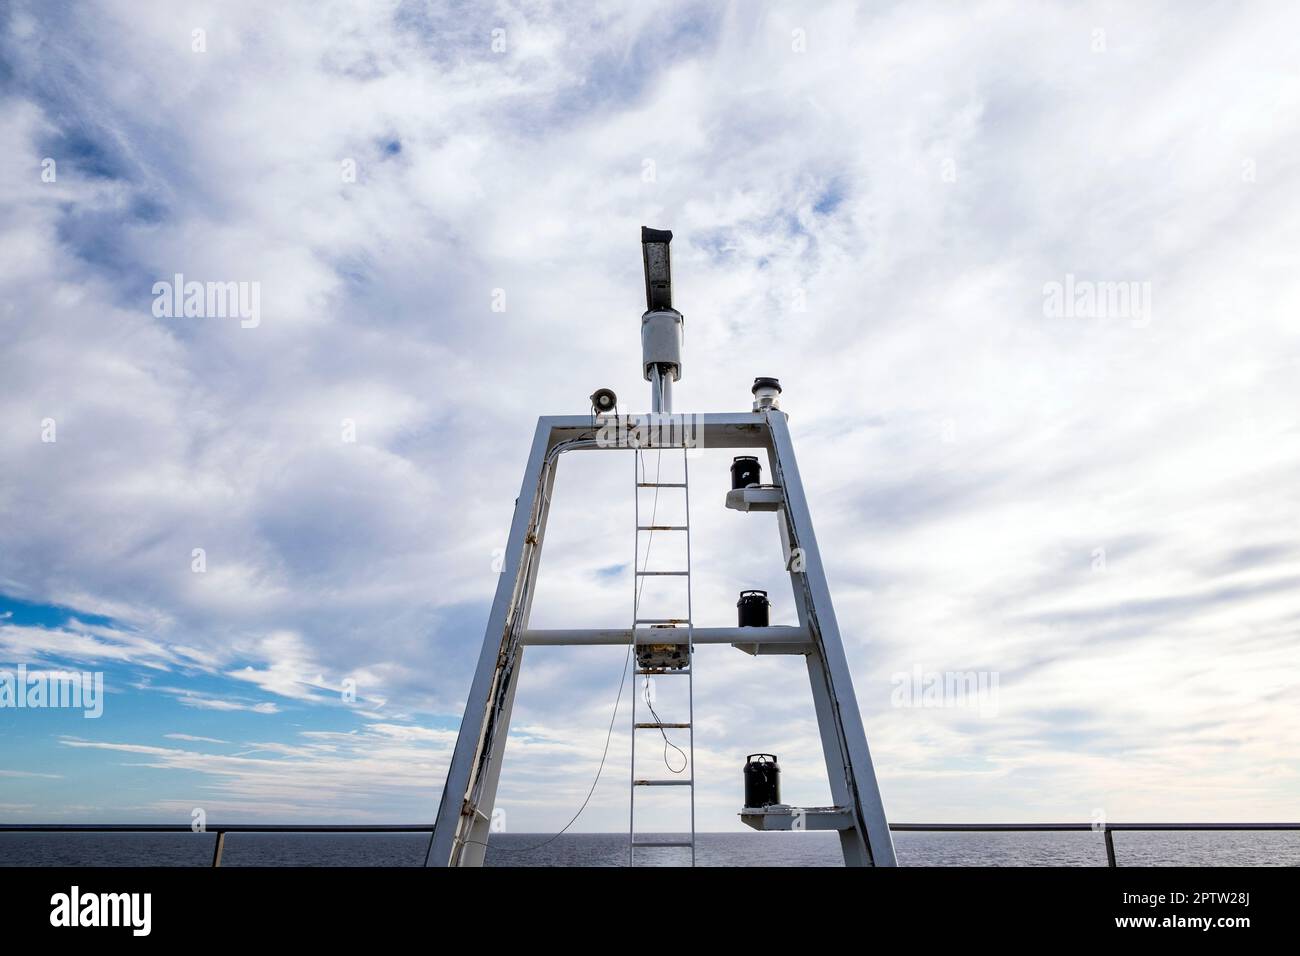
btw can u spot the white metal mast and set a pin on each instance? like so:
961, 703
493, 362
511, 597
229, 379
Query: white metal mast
462, 828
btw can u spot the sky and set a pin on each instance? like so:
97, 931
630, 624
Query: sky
1027, 273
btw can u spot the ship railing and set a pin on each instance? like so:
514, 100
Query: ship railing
1107, 830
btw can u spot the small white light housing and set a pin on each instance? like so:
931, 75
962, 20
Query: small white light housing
767, 393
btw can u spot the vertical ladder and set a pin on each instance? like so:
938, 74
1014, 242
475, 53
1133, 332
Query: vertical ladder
673, 628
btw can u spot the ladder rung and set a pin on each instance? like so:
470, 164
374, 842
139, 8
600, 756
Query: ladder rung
647, 633
661, 783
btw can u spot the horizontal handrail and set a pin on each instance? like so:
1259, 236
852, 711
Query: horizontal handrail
223, 828
427, 828
1107, 829
1029, 827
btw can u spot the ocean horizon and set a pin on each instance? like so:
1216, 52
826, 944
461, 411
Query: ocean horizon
730, 849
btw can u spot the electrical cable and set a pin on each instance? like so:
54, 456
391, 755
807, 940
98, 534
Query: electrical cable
609, 736
613, 718
667, 743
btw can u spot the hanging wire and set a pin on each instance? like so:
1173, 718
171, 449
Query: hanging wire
667, 743
613, 717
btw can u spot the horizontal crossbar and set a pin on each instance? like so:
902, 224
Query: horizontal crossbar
663, 635
661, 783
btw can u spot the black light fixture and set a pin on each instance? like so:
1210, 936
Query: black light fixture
603, 400
746, 472
754, 609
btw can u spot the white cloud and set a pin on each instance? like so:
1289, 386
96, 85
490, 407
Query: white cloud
86, 644
359, 777
219, 703
965, 454
29, 774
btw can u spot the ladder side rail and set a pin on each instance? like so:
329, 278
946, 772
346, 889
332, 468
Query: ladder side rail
690, 643
636, 604
687, 671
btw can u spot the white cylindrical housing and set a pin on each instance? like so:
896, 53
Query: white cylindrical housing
661, 341
767, 393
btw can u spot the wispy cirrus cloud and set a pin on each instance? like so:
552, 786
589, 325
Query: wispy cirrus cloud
88, 644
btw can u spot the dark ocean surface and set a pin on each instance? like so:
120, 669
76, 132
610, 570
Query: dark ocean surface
1223, 848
